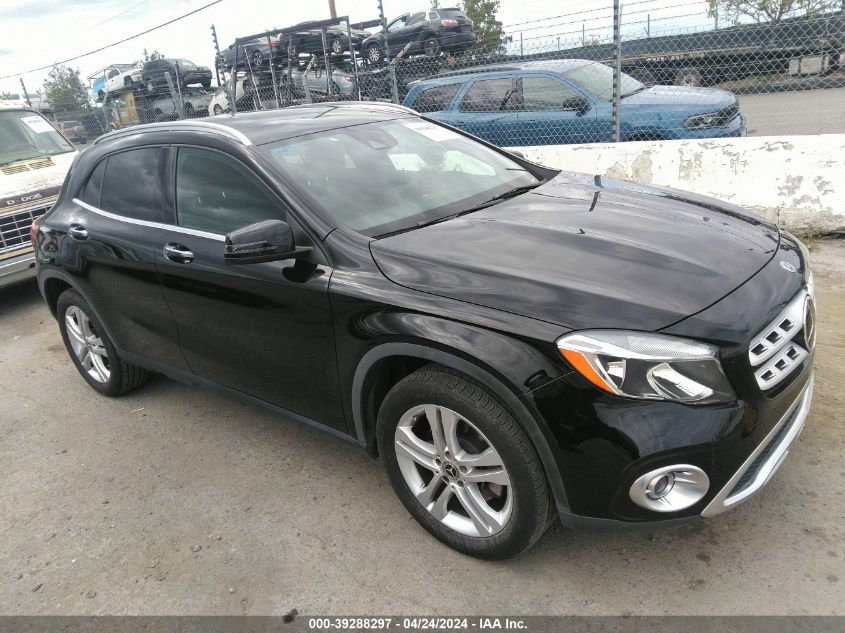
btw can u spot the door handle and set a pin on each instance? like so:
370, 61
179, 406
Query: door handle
178, 253
78, 232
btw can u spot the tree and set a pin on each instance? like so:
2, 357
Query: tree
765, 11
151, 57
487, 28
65, 91
8, 95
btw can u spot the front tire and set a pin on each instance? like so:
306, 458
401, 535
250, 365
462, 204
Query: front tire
374, 54
462, 465
92, 351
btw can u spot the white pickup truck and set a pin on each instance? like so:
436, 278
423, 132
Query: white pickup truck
34, 159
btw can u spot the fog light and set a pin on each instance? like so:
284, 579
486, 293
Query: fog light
670, 488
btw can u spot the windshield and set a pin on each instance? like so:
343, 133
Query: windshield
384, 177
25, 134
598, 79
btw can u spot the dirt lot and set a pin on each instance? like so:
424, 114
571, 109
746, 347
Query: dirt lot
175, 501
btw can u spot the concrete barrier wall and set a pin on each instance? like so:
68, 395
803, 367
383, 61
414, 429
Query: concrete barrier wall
799, 181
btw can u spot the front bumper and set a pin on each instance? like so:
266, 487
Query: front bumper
749, 479
17, 269
761, 465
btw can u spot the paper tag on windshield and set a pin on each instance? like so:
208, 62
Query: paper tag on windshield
37, 124
434, 132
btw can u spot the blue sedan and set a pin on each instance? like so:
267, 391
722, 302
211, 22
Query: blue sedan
569, 101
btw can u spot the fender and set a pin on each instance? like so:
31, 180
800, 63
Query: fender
52, 273
528, 420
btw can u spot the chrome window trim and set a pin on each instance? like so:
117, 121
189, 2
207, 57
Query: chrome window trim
147, 223
724, 500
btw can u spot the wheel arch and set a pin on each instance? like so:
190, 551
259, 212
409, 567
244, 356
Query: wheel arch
54, 282
383, 366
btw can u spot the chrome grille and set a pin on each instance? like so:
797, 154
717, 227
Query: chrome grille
775, 351
17, 168
14, 227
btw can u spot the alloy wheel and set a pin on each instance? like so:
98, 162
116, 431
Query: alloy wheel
257, 58
337, 46
87, 344
453, 470
374, 54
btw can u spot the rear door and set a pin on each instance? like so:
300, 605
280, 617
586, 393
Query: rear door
114, 235
414, 30
261, 329
486, 111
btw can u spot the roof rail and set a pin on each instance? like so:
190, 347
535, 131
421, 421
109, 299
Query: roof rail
487, 68
178, 126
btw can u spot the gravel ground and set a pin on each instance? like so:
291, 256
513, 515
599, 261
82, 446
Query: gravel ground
176, 501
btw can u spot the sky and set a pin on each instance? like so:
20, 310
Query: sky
36, 33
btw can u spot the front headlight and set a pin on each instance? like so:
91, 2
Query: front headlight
648, 366
701, 121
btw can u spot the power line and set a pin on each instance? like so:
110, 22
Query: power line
126, 39
565, 15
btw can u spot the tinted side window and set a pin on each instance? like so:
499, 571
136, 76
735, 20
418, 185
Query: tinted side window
415, 18
132, 184
545, 94
436, 99
217, 194
94, 186
488, 95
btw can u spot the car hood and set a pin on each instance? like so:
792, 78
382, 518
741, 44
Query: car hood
708, 98
586, 252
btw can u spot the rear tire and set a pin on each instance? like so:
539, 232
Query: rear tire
431, 47
487, 495
92, 351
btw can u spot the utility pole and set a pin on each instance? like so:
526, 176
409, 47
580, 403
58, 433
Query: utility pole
391, 68
217, 54
333, 11
617, 67
25, 94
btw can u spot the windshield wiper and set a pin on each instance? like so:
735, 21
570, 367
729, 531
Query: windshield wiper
510, 193
633, 92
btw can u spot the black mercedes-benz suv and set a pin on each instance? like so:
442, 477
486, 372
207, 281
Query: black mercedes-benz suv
514, 342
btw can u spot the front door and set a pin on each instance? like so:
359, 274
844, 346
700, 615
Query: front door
262, 329
551, 112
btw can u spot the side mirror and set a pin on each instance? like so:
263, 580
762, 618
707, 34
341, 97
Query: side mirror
579, 104
265, 241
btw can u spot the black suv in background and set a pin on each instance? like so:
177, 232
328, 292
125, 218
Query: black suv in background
429, 31
187, 72
514, 342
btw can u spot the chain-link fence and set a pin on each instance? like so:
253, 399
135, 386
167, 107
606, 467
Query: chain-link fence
596, 75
